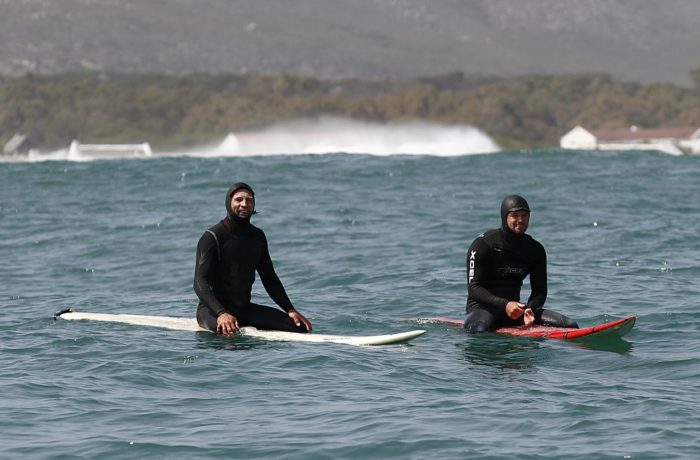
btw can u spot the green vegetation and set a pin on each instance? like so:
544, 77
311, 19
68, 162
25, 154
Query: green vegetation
175, 112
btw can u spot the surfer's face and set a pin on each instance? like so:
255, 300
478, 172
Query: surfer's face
518, 221
242, 204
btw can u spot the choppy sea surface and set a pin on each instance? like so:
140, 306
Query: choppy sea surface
360, 242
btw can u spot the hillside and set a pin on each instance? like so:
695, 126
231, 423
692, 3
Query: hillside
175, 112
641, 40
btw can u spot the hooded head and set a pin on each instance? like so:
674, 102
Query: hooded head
510, 204
231, 191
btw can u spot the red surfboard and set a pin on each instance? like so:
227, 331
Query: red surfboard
616, 328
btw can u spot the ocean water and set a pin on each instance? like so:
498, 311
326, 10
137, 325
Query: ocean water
361, 242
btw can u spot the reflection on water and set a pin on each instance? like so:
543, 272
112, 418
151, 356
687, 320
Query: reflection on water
612, 344
237, 342
524, 353
503, 353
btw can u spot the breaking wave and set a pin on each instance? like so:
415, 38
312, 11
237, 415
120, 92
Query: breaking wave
321, 136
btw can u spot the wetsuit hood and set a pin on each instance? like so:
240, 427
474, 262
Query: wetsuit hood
512, 203
229, 212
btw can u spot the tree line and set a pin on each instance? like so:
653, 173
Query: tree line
184, 111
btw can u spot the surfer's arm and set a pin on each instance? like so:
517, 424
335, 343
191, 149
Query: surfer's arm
538, 282
206, 260
477, 272
276, 291
271, 282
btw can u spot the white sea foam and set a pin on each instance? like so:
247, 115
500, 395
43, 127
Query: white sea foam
323, 136
333, 135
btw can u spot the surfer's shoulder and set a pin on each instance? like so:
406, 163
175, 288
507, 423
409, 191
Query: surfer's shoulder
490, 234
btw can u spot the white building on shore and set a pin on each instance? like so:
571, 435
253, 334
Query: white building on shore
674, 141
78, 150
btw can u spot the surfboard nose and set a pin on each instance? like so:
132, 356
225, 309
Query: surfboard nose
60, 312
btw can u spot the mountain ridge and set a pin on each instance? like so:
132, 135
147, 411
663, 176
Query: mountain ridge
645, 41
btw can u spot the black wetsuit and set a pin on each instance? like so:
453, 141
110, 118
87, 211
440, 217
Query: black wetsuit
228, 255
497, 263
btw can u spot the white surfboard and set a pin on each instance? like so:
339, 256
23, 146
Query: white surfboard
190, 324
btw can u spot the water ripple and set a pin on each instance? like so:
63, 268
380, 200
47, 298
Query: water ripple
360, 242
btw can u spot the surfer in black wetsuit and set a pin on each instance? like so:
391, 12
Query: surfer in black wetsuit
497, 263
228, 255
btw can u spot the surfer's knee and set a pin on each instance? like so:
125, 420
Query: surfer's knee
205, 319
478, 321
552, 318
475, 327
289, 325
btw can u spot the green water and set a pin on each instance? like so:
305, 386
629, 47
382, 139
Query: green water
359, 242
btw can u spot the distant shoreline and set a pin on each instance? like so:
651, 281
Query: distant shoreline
181, 112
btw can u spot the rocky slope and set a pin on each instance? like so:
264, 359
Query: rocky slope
636, 40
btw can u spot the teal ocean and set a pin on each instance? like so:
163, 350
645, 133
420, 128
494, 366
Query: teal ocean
361, 242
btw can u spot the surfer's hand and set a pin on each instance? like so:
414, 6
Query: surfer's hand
226, 324
298, 319
515, 309
529, 317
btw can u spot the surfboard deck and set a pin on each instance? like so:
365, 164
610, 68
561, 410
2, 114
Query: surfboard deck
612, 329
190, 324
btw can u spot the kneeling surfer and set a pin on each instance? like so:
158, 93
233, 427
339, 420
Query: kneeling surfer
497, 263
228, 255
